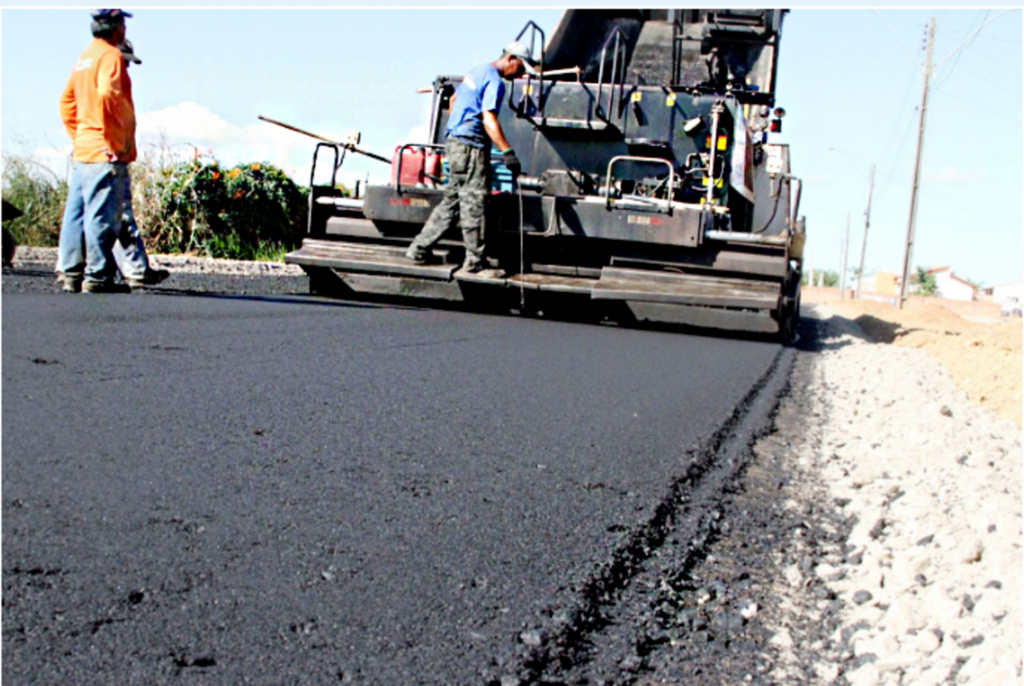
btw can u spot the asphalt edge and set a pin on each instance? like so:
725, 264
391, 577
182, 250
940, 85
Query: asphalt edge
562, 640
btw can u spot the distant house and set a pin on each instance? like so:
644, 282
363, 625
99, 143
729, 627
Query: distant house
886, 283
951, 286
1014, 289
948, 285
878, 283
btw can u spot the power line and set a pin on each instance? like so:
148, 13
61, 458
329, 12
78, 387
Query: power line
975, 105
993, 39
971, 210
896, 36
971, 37
902, 108
906, 132
994, 63
960, 51
895, 130
895, 161
999, 83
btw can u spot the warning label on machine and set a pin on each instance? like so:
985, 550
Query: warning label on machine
643, 219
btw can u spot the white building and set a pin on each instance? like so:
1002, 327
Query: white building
951, 286
1014, 289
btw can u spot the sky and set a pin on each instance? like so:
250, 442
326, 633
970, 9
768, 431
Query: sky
850, 80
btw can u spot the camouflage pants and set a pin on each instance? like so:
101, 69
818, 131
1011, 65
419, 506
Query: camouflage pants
469, 183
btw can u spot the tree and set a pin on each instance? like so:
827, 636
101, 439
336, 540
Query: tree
924, 283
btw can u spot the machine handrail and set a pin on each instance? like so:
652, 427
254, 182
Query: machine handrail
620, 46
527, 87
339, 158
632, 158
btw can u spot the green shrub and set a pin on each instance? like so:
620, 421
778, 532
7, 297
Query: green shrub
40, 194
247, 212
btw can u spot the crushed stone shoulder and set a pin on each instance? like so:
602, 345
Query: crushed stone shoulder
927, 486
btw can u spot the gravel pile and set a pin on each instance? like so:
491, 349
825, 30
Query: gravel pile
923, 586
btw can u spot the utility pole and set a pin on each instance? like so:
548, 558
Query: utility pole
846, 250
867, 223
908, 253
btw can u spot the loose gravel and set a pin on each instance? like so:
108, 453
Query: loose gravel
900, 523
33, 272
183, 264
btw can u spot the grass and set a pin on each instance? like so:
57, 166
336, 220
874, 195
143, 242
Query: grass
230, 246
40, 194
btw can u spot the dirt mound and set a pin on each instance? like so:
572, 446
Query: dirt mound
980, 350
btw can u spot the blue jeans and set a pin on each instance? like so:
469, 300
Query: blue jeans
129, 250
92, 220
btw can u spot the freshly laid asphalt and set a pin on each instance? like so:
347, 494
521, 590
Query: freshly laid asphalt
273, 489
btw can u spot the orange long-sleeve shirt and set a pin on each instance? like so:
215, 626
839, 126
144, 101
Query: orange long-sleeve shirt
97, 107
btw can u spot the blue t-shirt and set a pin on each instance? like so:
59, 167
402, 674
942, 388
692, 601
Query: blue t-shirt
481, 91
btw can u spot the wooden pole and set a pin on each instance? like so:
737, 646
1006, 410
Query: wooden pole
867, 223
909, 251
846, 250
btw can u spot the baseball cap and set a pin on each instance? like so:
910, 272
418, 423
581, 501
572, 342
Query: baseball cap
518, 49
129, 52
110, 16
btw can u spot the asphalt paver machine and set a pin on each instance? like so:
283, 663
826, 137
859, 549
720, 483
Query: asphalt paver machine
650, 189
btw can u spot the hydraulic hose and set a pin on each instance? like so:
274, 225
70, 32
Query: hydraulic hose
522, 261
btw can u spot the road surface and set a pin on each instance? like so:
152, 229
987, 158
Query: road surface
225, 481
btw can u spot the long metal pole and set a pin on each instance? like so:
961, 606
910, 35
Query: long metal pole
867, 223
908, 253
846, 250
347, 146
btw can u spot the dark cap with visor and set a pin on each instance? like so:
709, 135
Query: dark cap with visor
110, 16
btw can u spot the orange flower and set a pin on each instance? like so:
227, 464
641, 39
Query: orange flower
255, 167
216, 175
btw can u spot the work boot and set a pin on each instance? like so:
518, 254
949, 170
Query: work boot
69, 283
482, 269
151, 278
104, 287
420, 256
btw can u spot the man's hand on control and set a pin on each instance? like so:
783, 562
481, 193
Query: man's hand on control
513, 163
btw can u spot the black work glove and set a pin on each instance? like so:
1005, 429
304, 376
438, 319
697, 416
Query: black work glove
513, 163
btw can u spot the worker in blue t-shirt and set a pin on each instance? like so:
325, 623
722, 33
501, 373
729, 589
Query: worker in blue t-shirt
472, 127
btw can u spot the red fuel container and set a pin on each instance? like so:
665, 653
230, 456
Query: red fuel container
416, 163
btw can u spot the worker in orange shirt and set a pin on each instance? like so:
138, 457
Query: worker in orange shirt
129, 248
97, 110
